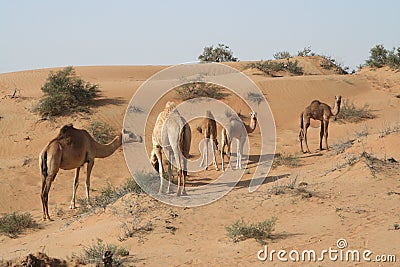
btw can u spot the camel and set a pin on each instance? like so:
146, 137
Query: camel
234, 130
317, 111
71, 149
172, 135
209, 129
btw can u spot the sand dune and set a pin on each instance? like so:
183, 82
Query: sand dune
345, 201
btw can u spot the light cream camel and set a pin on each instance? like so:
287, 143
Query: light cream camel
172, 135
71, 149
235, 130
317, 111
209, 129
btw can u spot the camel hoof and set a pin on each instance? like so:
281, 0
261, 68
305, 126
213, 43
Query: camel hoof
216, 169
72, 207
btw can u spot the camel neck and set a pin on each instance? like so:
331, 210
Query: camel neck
250, 128
103, 151
336, 109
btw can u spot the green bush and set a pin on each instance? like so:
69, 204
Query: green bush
14, 223
349, 112
65, 93
193, 90
221, 53
102, 132
380, 57
95, 252
269, 66
261, 231
282, 55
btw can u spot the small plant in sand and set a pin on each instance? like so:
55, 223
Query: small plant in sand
102, 132
240, 230
270, 67
220, 53
396, 226
282, 55
65, 93
109, 195
288, 160
95, 252
192, 90
14, 224
256, 98
350, 113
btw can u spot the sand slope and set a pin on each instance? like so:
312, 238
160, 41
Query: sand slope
344, 202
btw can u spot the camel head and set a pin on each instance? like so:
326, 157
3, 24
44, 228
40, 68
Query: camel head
338, 99
130, 137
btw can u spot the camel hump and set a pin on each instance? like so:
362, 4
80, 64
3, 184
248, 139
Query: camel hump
65, 130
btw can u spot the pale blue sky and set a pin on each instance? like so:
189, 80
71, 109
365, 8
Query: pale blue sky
41, 34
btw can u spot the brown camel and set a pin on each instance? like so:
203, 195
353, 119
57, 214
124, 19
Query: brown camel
235, 131
172, 135
209, 129
317, 111
71, 149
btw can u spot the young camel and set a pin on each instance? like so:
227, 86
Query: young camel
173, 135
317, 111
235, 131
209, 129
71, 149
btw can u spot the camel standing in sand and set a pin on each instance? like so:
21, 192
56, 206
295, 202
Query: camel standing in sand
209, 129
71, 149
235, 130
317, 111
172, 135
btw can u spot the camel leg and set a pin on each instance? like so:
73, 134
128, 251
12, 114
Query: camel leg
169, 171
89, 171
203, 155
326, 124
222, 156
157, 151
45, 195
179, 167
214, 148
228, 153
305, 135
74, 188
321, 134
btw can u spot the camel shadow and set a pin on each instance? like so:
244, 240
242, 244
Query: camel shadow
103, 101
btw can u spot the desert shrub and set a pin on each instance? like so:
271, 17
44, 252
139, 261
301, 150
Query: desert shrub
330, 63
193, 90
380, 57
65, 93
221, 53
282, 55
269, 66
261, 231
306, 52
13, 224
95, 252
349, 112
288, 160
102, 132
109, 195
256, 98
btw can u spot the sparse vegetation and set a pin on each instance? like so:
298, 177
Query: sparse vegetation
220, 53
65, 93
261, 231
200, 89
109, 194
306, 52
135, 109
350, 113
102, 132
14, 224
95, 252
282, 55
381, 57
270, 67
255, 97
396, 226
288, 160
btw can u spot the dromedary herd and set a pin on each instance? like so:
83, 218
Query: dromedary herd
72, 147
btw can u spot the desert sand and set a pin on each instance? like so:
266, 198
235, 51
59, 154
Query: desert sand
341, 200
